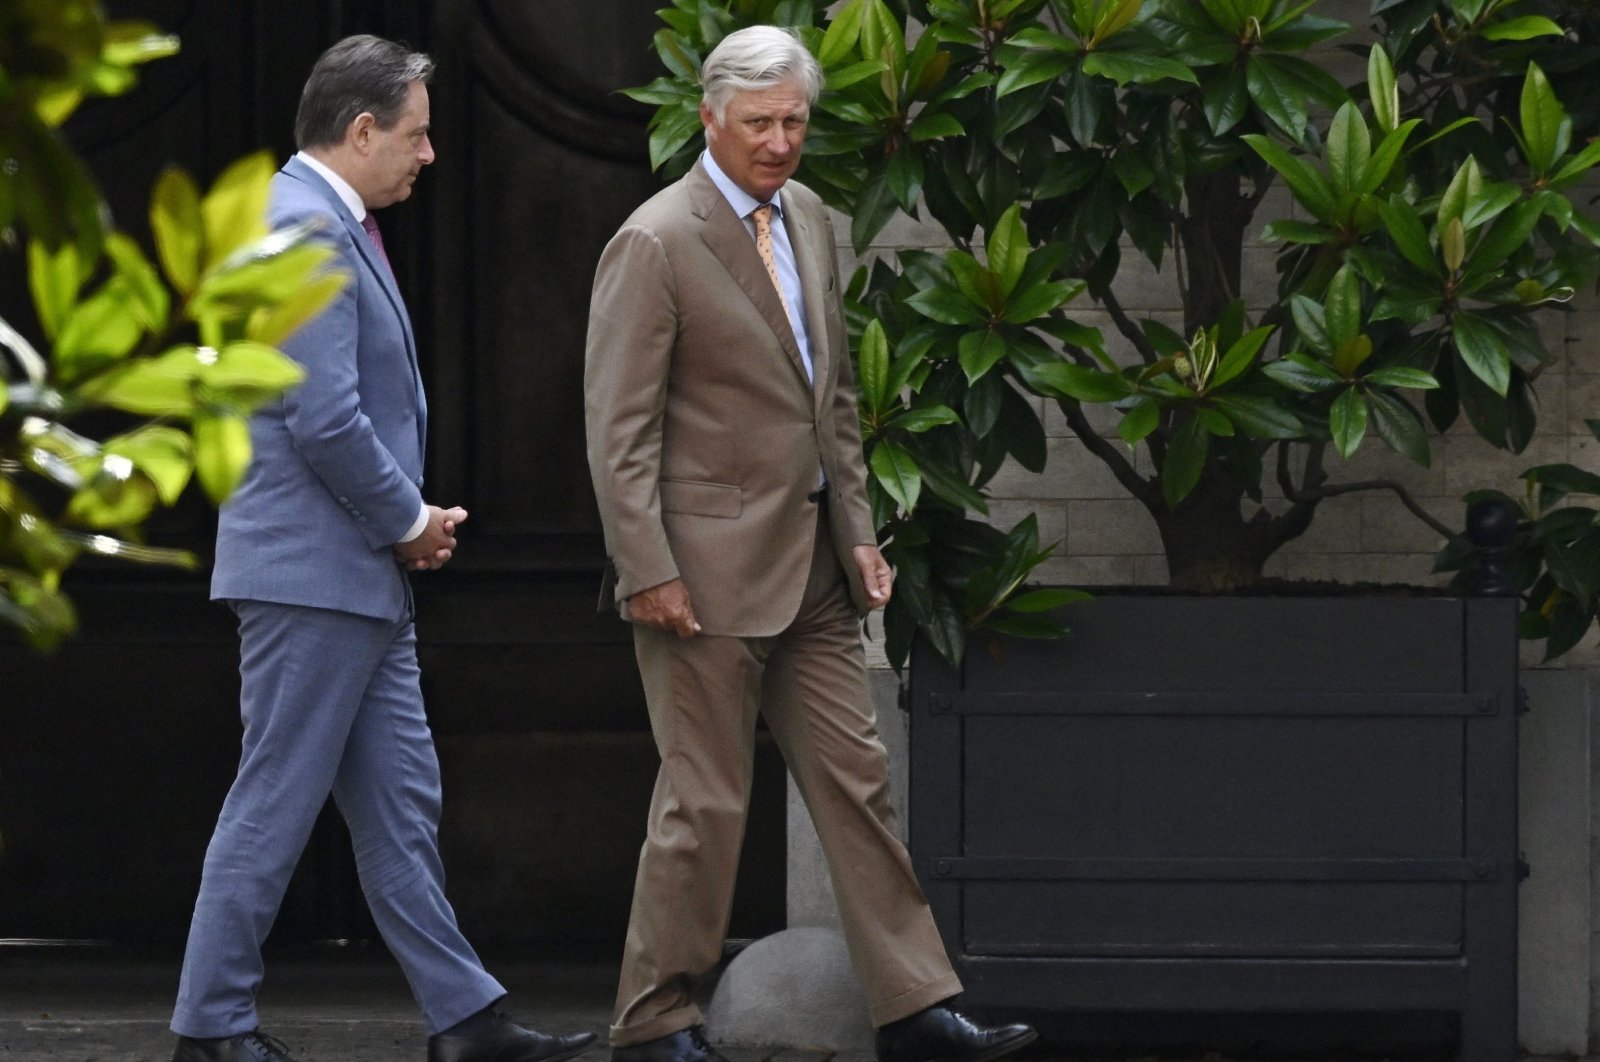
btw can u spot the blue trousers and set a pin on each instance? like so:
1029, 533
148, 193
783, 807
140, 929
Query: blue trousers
331, 702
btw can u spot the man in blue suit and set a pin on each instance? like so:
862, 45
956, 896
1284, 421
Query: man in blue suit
312, 555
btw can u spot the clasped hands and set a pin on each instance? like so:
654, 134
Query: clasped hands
667, 606
433, 548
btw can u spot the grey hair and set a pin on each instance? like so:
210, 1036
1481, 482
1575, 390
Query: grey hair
360, 74
757, 57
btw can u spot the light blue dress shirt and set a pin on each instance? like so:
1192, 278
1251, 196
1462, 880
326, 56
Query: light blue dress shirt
743, 204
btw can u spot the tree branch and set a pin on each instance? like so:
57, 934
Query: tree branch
1113, 458
1315, 493
1125, 324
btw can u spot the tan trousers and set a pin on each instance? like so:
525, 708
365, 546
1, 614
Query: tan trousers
810, 682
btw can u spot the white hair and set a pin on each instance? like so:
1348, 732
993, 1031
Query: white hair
757, 57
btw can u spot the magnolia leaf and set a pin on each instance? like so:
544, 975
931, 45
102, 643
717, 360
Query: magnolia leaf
221, 453
872, 368
163, 453
897, 473
1347, 420
274, 324
1382, 89
179, 231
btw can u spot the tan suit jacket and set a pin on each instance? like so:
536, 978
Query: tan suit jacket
704, 435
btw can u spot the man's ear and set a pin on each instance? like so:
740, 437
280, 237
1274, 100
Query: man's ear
359, 134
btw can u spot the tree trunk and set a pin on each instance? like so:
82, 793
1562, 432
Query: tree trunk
1210, 545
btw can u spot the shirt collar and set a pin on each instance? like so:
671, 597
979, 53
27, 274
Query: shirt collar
346, 194
741, 201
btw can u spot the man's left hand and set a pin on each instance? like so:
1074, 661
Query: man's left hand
876, 575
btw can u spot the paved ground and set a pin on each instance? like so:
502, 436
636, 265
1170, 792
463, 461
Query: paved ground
336, 1007
67, 1007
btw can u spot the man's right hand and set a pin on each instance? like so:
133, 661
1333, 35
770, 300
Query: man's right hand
665, 605
437, 543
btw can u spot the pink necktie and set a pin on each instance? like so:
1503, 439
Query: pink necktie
370, 223
763, 219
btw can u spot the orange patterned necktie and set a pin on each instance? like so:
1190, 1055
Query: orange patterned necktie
763, 218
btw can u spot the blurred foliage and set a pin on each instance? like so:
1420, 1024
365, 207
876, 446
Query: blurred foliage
165, 363
1432, 220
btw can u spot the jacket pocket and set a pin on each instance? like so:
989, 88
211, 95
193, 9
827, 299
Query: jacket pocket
701, 499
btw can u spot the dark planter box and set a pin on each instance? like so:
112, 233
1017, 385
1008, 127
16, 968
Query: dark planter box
1229, 805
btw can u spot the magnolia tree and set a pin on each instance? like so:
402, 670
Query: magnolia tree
1437, 223
165, 364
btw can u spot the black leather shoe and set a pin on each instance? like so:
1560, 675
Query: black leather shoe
685, 1045
492, 1037
246, 1047
939, 1034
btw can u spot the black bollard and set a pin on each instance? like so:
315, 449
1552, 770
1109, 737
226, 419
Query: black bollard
1491, 527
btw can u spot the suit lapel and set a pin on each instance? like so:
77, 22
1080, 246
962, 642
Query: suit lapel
813, 285
729, 241
375, 265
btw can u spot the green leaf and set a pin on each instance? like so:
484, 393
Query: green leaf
1349, 149
1240, 355
1032, 68
1483, 350
222, 453
1031, 303
1140, 420
1344, 307
979, 351
1401, 376
1410, 238
1299, 373
898, 474
1309, 187
153, 387
1385, 156
1045, 600
150, 295
1347, 420
935, 125
672, 128
102, 328
1185, 458
1286, 230
947, 306
234, 212
1382, 89
1008, 248
1134, 68
844, 29
916, 421
164, 454
274, 324
1260, 417
1063, 379
247, 372
1546, 130
1225, 101
872, 368
1398, 425
54, 277
178, 228
1525, 27
1311, 320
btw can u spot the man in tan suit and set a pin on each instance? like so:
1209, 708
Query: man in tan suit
726, 455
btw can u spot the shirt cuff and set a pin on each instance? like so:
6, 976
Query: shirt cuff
417, 526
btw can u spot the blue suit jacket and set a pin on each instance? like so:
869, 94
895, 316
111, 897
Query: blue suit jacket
336, 475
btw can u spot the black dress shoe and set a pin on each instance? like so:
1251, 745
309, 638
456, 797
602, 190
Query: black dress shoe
685, 1045
939, 1034
246, 1047
490, 1036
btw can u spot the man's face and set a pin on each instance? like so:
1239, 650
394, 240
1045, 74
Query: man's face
396, 155
757, 143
